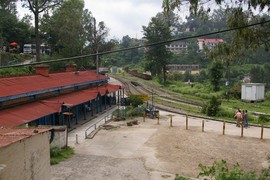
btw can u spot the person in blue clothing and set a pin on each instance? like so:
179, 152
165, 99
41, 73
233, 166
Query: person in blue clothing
245, 118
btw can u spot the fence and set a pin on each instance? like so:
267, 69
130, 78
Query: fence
96, 125
223, 128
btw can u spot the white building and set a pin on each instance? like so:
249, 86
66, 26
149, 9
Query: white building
252, 92
208, 43
177, 47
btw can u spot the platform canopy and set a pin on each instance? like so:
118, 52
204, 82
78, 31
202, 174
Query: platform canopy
23, 114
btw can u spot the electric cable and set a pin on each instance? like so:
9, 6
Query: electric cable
137, 47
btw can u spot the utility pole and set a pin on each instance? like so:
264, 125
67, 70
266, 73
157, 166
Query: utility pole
96, 47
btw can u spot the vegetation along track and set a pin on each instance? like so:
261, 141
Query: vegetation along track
137, 86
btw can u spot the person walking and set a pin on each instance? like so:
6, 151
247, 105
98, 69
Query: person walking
245, 118
238, 117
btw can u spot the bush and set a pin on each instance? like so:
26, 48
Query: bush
135, 100
263, 119
221, 171
235, 91
267, 95
212, 108
60, 154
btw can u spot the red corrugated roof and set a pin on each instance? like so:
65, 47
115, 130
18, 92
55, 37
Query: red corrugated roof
23, 114
9, 136
210, 40
26, 113
11, 86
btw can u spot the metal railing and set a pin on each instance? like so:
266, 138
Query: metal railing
96, 125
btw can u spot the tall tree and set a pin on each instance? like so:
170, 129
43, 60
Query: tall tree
13, 29
215, 74
8, 6
97, 33
37, 7
64, 28
157, 57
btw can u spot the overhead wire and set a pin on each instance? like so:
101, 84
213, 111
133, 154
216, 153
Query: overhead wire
137, 47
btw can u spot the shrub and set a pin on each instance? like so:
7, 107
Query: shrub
221, 171
135, 100
60, 154
267, 95
212, 108
263, 119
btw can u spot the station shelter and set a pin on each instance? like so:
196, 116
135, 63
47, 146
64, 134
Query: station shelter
63, 98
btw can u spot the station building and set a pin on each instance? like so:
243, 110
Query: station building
63, 98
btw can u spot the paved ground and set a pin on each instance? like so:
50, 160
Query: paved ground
151, 151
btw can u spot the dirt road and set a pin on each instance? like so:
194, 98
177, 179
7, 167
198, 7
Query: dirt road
155, 152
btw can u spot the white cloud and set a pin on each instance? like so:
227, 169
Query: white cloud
124, 17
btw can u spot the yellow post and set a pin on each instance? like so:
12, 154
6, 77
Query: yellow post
186, 121
224, 124
262, 132
171, 120
202, 125
242, 129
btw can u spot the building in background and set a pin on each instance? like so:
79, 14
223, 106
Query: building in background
177, 47
208, 43
193, 68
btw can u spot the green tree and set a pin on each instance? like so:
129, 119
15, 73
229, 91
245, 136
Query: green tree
257, 74
215, 74
65, 28
96, 34
157, 57
37, 7
11, 28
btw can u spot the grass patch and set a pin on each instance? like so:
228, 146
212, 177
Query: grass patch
60, 154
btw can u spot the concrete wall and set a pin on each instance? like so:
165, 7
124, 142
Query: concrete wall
60, 136
28, 159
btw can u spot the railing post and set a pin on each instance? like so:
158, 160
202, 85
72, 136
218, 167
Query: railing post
77, 141
262, 132
202, 125
224, 124
144, 116
158, 119
186, 121
242, 129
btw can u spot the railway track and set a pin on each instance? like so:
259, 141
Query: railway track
135, 86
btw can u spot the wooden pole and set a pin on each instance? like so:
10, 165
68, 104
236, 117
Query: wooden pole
202, 125
77, 140
171, 120
186, 121
262, 132
242, 129
158, 119
224, 124
144, 117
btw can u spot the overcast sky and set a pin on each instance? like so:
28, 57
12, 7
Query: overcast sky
122, 17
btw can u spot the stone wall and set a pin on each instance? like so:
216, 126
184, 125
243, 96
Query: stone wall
27, 159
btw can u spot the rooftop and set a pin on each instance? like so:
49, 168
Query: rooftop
10, 136
14, 86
